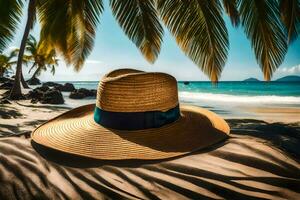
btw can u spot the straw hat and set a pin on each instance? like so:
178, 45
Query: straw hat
136, 116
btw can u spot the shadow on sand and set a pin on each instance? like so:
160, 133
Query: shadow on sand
218, 172
284, 136
49, 107
9, 113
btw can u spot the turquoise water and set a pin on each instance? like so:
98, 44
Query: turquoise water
245, 88
228, 87
276, 93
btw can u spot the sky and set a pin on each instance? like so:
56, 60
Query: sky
113, 50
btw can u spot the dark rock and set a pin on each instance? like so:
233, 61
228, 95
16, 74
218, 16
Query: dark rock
58, 87
34, 81
76, 95
36, 94
4, 79
186, 82
43, 88
88, 93
82, 93
52, 84
52, 96
4, 101
6, 85
34, 101
67, 87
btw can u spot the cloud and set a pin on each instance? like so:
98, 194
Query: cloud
13, 47
93, 62
290, 70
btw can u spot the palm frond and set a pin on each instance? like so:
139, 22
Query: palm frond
290, 16
199, 30
140, 22
53, 68
32, 67
5, 62
262, 25
56, 25
231, 8
71, 29
42, 54
86, 18
39, 70
31, 45
13, 54
10, 16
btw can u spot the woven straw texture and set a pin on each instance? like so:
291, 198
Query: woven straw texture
76, 132
128, 90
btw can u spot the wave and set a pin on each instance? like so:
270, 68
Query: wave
226, 98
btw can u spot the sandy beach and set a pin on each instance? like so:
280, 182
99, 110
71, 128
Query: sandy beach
149, 100
259, 160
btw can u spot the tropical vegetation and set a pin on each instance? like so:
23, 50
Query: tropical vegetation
6, 62
197, 25
41, 56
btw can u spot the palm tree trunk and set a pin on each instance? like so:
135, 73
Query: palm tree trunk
24, 83
1, 72
16, 92
35, 72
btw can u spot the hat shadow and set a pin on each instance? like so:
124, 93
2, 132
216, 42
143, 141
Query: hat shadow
76, 161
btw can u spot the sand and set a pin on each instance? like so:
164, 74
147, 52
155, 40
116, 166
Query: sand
241, 168
275, 114
22, 116
260, 160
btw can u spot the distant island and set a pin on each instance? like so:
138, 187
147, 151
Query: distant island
289, 79
292, 78
251, 80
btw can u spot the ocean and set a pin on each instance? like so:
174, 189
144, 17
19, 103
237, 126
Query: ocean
227, 98
231, 91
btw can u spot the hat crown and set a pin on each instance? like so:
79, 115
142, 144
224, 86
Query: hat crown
128, 90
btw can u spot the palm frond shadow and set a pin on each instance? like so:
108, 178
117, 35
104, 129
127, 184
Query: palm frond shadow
9, 113
220, 171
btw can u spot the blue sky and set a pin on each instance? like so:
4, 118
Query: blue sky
114, 50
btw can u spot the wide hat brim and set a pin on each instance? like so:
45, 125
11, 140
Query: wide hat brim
76, 132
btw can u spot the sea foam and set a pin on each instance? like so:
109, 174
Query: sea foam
225, 98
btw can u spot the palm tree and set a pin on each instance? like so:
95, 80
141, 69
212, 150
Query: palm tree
10, 16
42, 56
6, 62
197, 25
16, 90
74, 24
